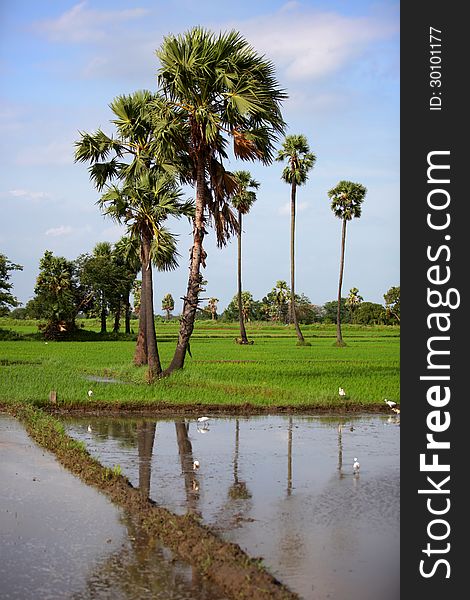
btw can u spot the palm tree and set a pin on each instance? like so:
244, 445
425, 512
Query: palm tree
352, 301
143, 205
242, 201
216, 87
168, 304
300, 161
212, 306
346, 200
146, 197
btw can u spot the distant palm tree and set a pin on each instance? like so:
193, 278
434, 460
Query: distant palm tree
216, 88
346, 200
300, 161
242, 201
212, 305
352, 301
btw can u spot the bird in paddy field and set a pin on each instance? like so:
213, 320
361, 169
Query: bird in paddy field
90, 393
89, 428
196, 465
390, 403
341, 392
356, 465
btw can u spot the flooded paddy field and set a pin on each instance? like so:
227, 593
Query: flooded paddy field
63, 539
282, 487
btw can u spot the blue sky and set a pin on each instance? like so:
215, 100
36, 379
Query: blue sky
62, 62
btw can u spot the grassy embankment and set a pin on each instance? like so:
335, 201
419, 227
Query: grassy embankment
273, 372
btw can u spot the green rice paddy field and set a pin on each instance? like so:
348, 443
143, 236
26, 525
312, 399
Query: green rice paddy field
274, 371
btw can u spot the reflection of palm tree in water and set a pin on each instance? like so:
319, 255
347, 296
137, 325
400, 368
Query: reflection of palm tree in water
340, 448
289, 458
185, 450
145, 441
239, 489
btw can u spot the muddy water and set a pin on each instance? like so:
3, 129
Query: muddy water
281, 487
62, 539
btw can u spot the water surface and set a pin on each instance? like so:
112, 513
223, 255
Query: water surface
281, 487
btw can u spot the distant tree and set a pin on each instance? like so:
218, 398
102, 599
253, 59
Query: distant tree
252, 309
7, 300
392, 302
353, 300
370, 313
242, 201
346, 200
276, 302
168, 304
20, 313
295, 150
330, 311
212, 307
58, 295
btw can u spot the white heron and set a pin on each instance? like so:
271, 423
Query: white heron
341, 392
90, 393
89, 428
356, 465
203, 419
390, 403
196, 465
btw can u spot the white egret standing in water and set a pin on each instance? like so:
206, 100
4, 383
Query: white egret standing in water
341, 392
196, 465
89, 428
390, 403
356, 465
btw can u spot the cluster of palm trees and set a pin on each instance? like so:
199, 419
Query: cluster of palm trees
214, 90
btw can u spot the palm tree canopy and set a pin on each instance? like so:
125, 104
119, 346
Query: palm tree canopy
244, 197
346, 199
300, 160
220, 85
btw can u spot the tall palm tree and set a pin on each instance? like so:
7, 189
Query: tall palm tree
353, 300
129, 159
300, 161
242, 201
216, 88
346, 200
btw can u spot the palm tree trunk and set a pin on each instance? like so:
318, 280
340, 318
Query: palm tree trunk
154, 366
292, 265
127, 316
140, 354
103, 315
145, 441
117, 318
191, 299
243, 338
339, 337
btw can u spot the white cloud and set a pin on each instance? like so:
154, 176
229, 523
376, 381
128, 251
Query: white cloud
81, 24
311, 44
59, 231
29, 195
299, 207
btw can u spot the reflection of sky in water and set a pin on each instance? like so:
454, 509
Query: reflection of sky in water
321, 529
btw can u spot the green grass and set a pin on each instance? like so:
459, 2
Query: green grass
274, 371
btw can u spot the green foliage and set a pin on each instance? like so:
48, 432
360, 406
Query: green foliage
370, 313
295, 150
6, 297
168, 304
245, 197
346, 200
330, 311
58, 295
392, 302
